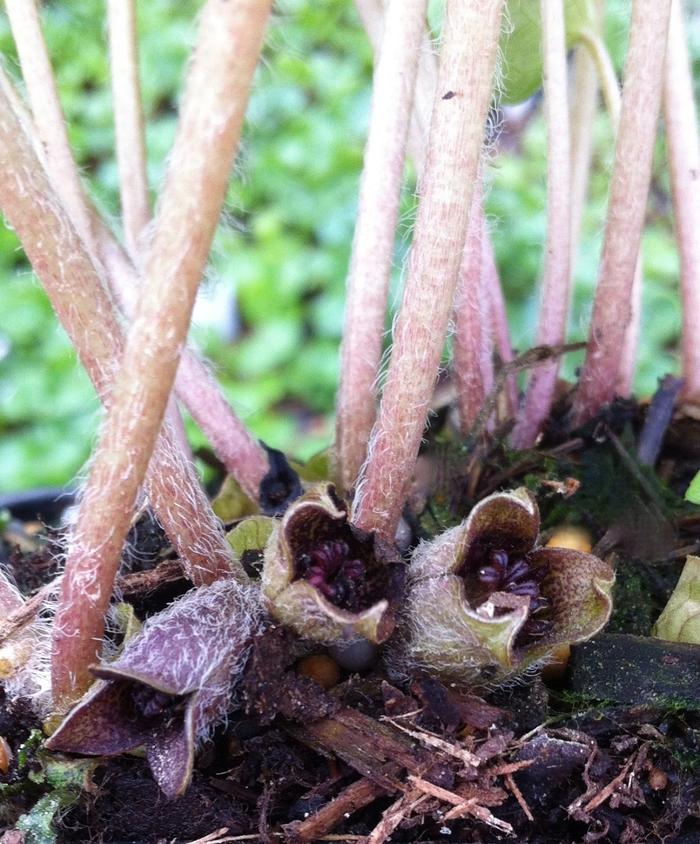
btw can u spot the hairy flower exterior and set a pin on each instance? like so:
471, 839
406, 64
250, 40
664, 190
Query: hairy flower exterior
485, 602
325, 578
169, 686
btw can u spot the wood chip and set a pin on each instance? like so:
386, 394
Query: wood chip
517, 793
462, 806
392, 817
431, 740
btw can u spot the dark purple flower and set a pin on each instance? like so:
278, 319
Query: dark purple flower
326, 578
485, 598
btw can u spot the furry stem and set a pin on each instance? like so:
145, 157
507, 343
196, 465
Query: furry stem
499, 316
373, 243
83, 306
238, 450
684, 159
128, 123
371, 13
218, 84
641, 95
46, 108
593, 43
467, 64
554, 307
473, 365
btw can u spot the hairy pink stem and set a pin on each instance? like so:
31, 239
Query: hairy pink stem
556, 282
499, 316
371, 13
375, 229
582, 113
467, 63
641, 97
681, 120
218, 84
239, 451
128, 123
593, 44
473, 364
46, 108
83, 306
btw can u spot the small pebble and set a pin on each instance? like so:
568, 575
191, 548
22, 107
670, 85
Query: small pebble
357, 656
5, 756
658, 779
320, 668
572, 537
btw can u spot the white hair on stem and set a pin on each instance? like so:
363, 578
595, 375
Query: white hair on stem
470, 38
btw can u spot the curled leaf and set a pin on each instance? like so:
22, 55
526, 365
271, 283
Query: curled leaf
169, 686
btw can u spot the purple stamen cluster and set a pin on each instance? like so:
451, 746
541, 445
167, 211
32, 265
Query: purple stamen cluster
151, 703
517, 577
336, 574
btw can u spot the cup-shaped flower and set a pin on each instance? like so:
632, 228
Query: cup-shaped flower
170, 685
327, 579
485, 602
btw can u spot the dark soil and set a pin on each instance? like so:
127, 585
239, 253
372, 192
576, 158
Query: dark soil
607, 752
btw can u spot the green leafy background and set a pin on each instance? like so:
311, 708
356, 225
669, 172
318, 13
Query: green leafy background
283, 244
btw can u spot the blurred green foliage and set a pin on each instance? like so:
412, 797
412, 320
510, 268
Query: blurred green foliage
283, 245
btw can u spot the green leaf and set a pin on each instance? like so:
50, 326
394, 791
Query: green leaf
693, 492
680, 620
521, 45
232, 503
251, 534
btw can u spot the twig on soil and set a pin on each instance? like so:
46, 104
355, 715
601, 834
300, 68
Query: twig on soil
392, 817
606, 792
462, 806
517, 793
430, 740
358, 794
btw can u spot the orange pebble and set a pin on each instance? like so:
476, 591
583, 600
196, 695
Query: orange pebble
320, 668
5, 756
658, 779
570, 536
558, 660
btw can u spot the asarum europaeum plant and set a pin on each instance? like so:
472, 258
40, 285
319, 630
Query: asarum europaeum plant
326, 578
486, 602
171, 684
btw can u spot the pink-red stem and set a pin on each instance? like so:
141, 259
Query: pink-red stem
641, 95
218, 84
470, 38
680, 115
373, 243
554, 307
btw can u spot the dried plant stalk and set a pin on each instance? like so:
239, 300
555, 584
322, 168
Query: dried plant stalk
556, 283
680, 115
641, 96
238, 450
128, 123
83, 306
228, 46
467, 63
373, 243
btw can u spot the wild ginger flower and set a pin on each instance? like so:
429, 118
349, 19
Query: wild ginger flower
327, 579
170, 685
486, 601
